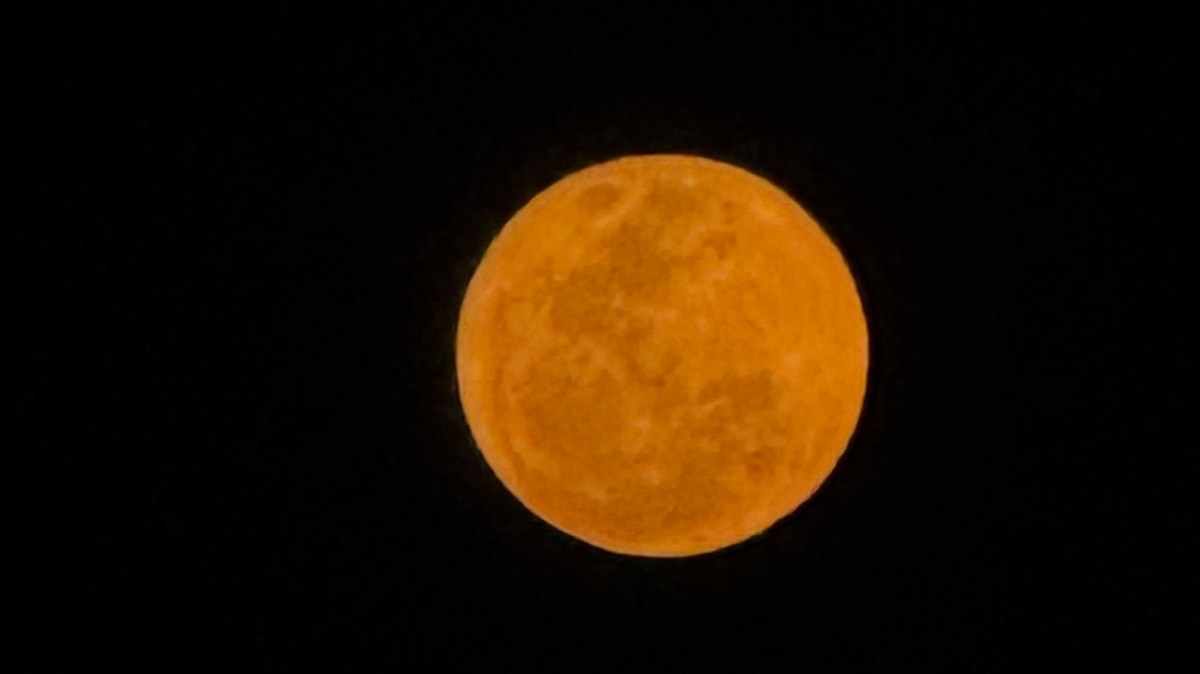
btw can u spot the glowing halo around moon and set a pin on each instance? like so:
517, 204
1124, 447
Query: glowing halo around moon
662, 355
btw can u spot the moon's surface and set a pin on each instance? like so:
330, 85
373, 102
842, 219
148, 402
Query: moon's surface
662, 355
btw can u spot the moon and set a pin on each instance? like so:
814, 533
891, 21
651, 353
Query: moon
662, 355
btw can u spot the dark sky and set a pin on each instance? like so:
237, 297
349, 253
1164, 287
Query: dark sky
265, 225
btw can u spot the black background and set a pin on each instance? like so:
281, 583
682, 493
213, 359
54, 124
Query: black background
266, 225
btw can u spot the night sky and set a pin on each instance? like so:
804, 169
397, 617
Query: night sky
243, 374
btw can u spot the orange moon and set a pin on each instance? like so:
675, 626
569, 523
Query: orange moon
662, 355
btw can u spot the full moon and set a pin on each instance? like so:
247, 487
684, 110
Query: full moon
662, 355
